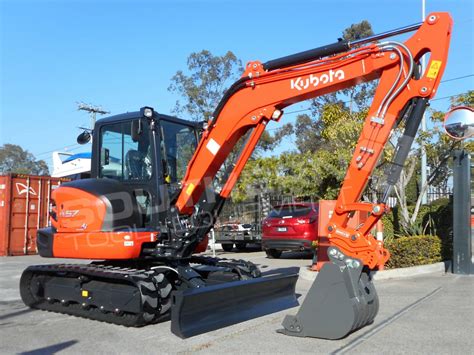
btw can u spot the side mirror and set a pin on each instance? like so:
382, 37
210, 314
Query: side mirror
459, 122
136, 130
84, 137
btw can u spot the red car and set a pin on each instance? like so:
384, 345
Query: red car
290, 227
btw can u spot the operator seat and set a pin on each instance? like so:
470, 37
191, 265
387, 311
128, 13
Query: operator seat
134, 165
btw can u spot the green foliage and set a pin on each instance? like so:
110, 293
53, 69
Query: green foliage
312, 172
441, 215
389, 222
307, 133
414, 250
438, 147
434, 219
208, 79
420, 226
203, 86
300, 174
466, 99
357, 31
13, 159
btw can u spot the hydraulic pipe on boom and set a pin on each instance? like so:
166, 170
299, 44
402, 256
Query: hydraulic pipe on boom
332, 49
145, 221
261, 95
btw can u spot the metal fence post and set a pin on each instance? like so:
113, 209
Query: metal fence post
213, 238
462, 246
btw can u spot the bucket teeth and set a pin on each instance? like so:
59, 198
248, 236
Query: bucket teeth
341, 300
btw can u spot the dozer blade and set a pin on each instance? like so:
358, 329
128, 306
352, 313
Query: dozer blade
341, 300
199, 310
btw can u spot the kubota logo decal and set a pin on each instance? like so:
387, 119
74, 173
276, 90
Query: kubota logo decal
23, 189
314, 80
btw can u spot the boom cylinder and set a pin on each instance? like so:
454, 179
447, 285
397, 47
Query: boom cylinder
334, 48
307, 56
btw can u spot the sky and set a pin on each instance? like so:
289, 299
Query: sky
122, 54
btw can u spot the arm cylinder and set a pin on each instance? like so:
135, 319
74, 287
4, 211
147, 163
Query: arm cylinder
404, 145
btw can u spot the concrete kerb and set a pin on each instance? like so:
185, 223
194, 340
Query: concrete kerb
441, 267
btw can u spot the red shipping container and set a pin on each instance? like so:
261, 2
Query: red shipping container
24, 208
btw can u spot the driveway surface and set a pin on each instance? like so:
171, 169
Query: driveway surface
422, 314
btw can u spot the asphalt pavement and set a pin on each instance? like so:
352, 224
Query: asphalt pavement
428, 314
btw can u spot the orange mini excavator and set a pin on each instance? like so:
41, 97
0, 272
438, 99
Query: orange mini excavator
157, 188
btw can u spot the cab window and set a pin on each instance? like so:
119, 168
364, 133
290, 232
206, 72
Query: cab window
125, 151
178, 145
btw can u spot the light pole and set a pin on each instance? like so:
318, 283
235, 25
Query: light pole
93, 110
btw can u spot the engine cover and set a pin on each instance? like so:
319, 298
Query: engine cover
95, 205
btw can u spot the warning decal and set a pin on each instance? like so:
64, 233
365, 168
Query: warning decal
190, 189
433, 71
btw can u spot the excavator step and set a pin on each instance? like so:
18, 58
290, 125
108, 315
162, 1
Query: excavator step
341, 300
199, 310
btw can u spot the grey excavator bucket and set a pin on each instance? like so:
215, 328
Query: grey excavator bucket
199, 310
341, 300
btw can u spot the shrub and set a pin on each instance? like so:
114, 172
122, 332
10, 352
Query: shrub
433, 219
414, 250
442, 217
388, 226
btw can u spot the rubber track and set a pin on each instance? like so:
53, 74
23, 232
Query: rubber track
150, 284
140, 278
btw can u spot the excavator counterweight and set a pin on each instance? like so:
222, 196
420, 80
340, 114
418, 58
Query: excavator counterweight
158, 186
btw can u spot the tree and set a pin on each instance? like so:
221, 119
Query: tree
209, 78
202, 89
439, 147
315, 173
325, 141
13, 159
352, 100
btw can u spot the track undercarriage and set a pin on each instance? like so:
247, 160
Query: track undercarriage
137, 293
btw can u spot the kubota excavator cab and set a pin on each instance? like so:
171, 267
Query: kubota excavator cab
124, 215
138, 160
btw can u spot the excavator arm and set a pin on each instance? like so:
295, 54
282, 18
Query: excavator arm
151, 272
265, 90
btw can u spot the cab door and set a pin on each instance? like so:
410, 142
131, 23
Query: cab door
127, 154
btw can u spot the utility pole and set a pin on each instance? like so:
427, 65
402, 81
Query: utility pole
423, 123
93, 110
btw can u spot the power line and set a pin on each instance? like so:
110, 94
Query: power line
442, 81
93, 110
81, 106
459, 77
447, 97
62, 148
287, 113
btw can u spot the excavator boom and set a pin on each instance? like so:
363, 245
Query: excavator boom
342, 298
152, 202
266, 89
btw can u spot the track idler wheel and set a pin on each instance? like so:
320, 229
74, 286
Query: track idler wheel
341, 300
